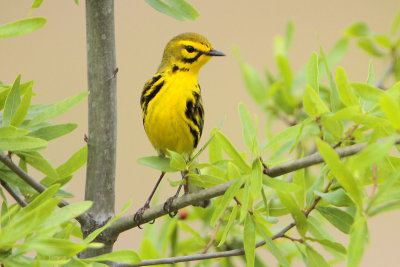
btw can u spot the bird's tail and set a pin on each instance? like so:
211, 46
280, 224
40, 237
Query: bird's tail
194, 188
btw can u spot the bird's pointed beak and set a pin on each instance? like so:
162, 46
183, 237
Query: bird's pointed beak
214, 53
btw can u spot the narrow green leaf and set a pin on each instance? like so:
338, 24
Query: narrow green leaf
158, 163
314, 259
337, 217
359, 29
74, 163
367, 92
330, 244
300, 181
346, 92
395, 205
57, 109
21, 27
284, 70
395, 24
358, 237
297, 214
382, 190
22, 110
184, 8
274, 249
342, 174
42, 197
337, 198
36, 4
289, 35
12, 102
125, 256
312, 72
287, 134
232, 152
313, 104
226, 199
280, 185
249, 239
256, 178
54, 247
205, 180
8, 131
247, 201
391, 110
371, 75
215, 152
369, 47
249, 131
53, 131
40, 163
21, 143
227, 228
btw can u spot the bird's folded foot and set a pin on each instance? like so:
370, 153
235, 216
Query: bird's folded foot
168, 206
137, 218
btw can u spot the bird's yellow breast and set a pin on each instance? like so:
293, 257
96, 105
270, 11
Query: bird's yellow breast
165, 122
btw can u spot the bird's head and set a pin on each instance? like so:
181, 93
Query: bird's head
187, 52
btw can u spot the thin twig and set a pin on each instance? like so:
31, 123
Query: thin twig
237, 201
381, 80
375, 183
347, 136
300, 240
318, 121
214, 234
14, 194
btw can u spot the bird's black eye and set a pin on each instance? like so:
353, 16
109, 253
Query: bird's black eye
189, 48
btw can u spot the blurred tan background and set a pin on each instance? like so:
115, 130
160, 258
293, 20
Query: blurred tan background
55, 58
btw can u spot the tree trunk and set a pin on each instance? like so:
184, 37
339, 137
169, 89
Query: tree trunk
102, 134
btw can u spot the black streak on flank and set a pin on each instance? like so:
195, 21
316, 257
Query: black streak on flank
195, 136
152, 94
193, 59
147, 86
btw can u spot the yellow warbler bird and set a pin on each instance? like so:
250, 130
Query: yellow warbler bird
173, 114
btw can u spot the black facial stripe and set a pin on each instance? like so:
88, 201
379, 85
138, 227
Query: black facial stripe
193, 59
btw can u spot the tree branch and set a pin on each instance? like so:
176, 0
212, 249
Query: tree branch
82, 219
14, 194
127, 222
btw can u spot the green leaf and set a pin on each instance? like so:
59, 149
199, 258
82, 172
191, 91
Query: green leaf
125, 256
337, 198
287, 134
22, 110
299, 217
289, 35
249, 131
395, 24
21, 27
249, 239
53, 131
382, 190
367, 92
368, 46
36, 4
300, 181
12, 102
284, 70
178, 9
395, 205
334, 97
227, 228
232, 152
177, 161
205, 180
342, 174
215, 152
54, 247
36, 160
57, 109
256, 178
358, 238
158, 163
312, 72
346, 92
314, 259
21, 143
254, 82
8, 131
226, 199
371, 75
74, 163
330, 244
391, 110
359, 29
274, 249
337, 217
65, 214
280, 185
312, 103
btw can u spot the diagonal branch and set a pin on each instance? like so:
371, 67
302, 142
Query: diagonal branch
82, 219
127, 222
14, 194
